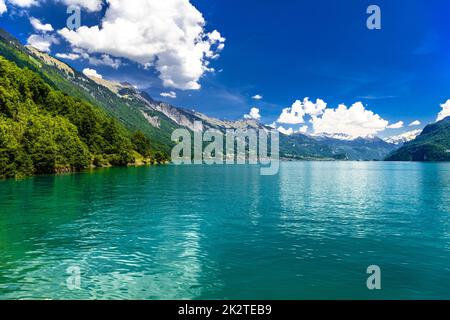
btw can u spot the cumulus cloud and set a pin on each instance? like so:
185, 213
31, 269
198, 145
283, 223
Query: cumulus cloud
284, 131
168, 35
42, 42
303, 129
39, 26
90, 5
291, 131
68, 56
314, 109
404, 137
355, 121
24, 3
292, 115
3, 8
257, 97
253, 115
299, 109
397, 125
415, 123
445, 111
105, 60
92, 73
171, 94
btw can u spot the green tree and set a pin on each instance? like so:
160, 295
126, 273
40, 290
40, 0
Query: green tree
141, 144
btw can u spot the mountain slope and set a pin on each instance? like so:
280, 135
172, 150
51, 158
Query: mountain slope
433, 144
360, 149
131, 111
43, 130
137, 111
302, 147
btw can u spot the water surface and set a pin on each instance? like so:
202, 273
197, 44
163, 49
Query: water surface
215, 232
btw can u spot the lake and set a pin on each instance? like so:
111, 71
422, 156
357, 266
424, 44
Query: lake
226, 232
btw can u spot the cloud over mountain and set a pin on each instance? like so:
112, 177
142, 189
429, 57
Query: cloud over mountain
445, 111
90, 5
39, 26
253, 115
167, 35
397, 125
92, 73
355, 121
3, 8
42, 42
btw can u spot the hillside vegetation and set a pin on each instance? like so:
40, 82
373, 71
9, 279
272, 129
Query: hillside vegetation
130, 111
432, 145
43, 130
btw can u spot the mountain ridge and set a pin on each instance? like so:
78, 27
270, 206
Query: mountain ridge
138, 111
433, 144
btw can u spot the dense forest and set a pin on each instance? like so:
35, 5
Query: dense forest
43, 130
433, 144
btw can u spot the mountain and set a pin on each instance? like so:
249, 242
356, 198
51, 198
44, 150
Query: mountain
135, 109
43, 130
301, 147
359, 149
404, 137
433, 144
121, 102
138, 111
341, 147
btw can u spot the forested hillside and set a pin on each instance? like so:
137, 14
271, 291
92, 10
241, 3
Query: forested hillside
130, 111
43, 130
433, 144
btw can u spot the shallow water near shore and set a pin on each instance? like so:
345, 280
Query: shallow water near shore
226, 232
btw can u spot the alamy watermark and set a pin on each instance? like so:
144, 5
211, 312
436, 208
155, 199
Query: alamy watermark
74, 20
73, 281
374, 280
374, 20
241, 146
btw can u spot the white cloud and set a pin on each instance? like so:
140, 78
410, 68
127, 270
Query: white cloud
445, 111
284, 131
290, 131
397, 125
42, 42
292, 115
170, 94
404, 137
314, 109
92, 73
105, 60
90, 5
355, 121
296, 113
257, 97
253, 115
3, 8
167, 35
415, 123
68, 56
303, 129
24, 3
39, 26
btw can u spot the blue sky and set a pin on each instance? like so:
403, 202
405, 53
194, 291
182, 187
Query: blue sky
288, 50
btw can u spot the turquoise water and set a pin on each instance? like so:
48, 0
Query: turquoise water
214, 232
